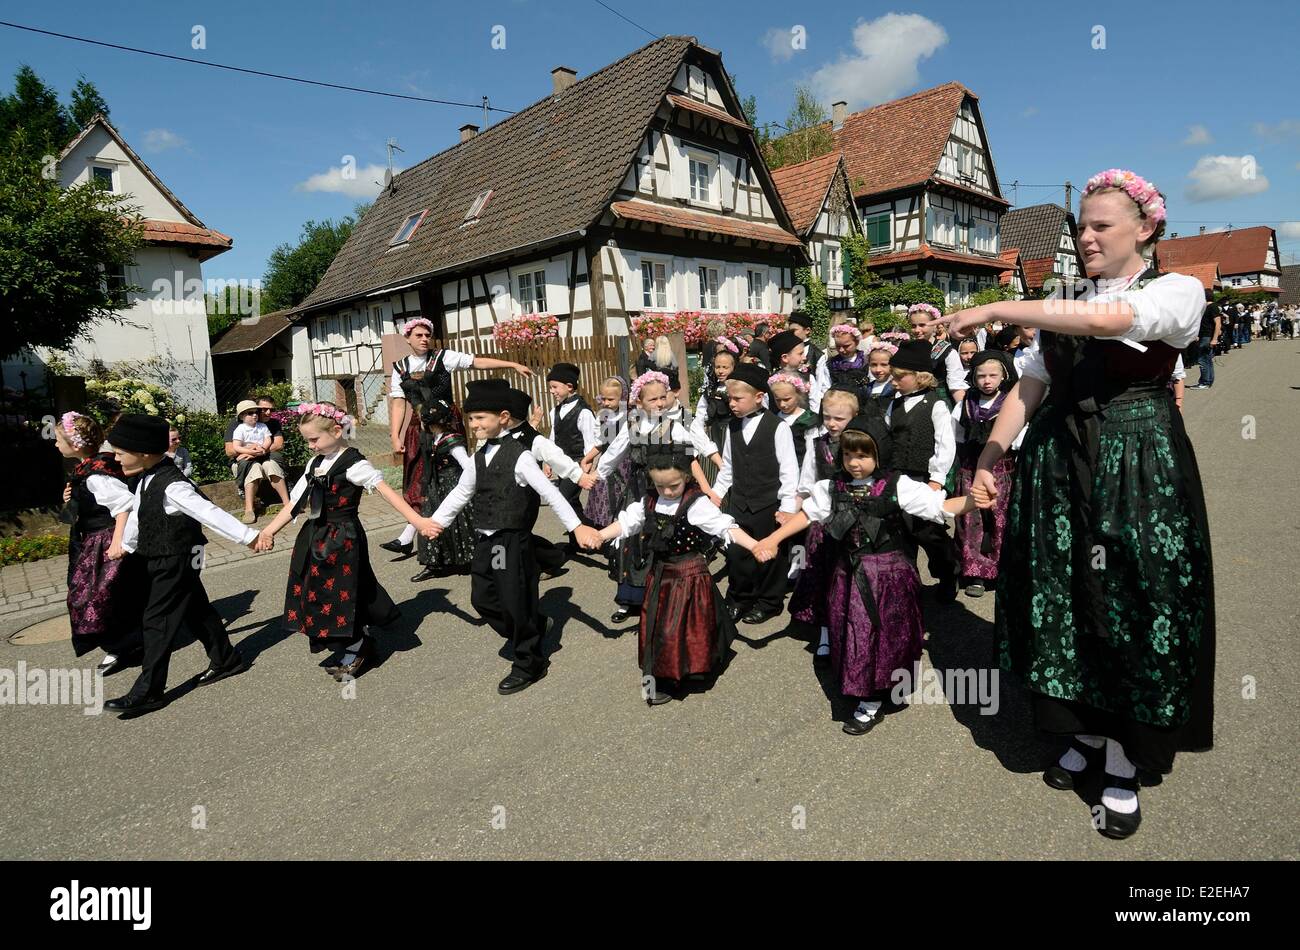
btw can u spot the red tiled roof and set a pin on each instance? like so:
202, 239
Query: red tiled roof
1241, 251
928, 253
704, 109
1011, 257
1036, 272
177, 232
702, 221
803, 188
1207, 274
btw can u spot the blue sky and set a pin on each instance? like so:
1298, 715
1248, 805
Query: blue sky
1180, 96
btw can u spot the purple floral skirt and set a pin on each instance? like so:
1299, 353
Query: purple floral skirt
864, 655
97, 593
971, 526
808, 602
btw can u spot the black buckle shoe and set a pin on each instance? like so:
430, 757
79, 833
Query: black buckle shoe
620, 615
1116, 824
856, 727
397, 547
1059, 777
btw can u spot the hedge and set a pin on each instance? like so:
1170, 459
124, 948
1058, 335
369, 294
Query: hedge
204, 434
24, 550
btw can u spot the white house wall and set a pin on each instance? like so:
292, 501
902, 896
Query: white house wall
100, 148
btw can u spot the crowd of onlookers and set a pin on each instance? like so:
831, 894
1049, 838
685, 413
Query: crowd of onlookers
1229, 326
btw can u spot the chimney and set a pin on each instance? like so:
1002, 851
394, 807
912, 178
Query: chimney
839, 112
562, 77
468, 131
1202, 229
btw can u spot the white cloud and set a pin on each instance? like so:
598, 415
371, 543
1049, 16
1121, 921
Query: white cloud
780, 43
888, 50
1284, 129
1289, 230
160, 140
366, 182
1225, 176
1198, 135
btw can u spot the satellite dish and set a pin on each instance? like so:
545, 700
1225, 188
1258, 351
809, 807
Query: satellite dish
388, 178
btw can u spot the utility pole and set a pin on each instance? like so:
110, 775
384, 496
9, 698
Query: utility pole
485, 112
1015, 193
1069, 189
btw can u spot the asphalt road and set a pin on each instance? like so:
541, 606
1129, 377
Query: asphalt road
427, 761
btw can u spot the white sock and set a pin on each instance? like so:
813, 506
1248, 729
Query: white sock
867, 710
408, 534
824, 644
1072, 760
1117, 763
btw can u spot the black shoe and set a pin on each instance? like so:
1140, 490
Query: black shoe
428, 574
620, 615
759, 616
975, 590
856, 727
517, 682
210, 675
658, 699
1116, 824
135, 704
1059, 777
945, 592
822, 659
397, 547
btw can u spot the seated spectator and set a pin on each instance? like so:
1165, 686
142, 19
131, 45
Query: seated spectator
179, 453
252, 459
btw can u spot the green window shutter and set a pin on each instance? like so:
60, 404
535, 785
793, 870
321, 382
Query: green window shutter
826, 264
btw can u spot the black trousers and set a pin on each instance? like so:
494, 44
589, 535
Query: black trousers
751, 584
503, 589
940, 549
174, 598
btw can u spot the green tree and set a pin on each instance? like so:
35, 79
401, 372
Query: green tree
878, 302
857, 258
991, 295
815, 304
34, 108
808, 134
56, 247
293, 271
86, 103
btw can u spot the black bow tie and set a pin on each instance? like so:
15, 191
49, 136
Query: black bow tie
497, 441
754, 415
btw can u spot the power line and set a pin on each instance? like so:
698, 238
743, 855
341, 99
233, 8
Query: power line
253, 72
629, 20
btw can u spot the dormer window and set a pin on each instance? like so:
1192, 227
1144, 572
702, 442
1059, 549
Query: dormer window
408, 228
102, 175
476, 209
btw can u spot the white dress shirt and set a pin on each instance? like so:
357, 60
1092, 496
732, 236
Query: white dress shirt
111, 492
527, 475
181, 498
955, 373
787, 461
914, 498
452, 360
945, 445
703, 514
360, 473
586, 425
808, 472
547, 452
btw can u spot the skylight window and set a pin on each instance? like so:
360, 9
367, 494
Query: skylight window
476, 209
408, 228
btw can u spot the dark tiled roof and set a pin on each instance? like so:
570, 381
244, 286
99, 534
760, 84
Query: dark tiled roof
703, 221
803, 188
1242, 251
1290, 285
552, 168
1036, 230
246, 336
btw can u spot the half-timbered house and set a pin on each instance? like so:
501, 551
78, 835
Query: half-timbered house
1047, 236
1014, 275
1247, 258
637, 188
819, 197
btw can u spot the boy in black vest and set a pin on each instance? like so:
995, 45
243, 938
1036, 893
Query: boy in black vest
759, 474
505, 487
573, 424
164, 532
924, 448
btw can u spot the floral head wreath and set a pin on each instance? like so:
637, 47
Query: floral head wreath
1148, 198
728, 345
410, 325
68, 421
652, 376
790, 379
846, 328
325, 412
885, 345
932, 310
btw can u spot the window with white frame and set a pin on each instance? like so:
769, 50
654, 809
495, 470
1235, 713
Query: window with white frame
832, 275
695, 82
757, 280
880, 230
532, 292
943, 226
709, 297
102, 175
654, 285
703, 169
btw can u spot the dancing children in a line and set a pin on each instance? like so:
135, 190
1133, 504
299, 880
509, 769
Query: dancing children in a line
421, 377
101, 596
873, 595
1105, 606
979, 533
163, 531
686, 630
332, 595
504, 489
758, 477
652, 427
